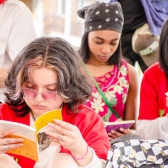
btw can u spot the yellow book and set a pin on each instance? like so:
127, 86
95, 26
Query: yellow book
35, 140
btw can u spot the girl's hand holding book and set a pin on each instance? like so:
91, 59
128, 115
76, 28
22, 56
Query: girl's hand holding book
69, 136
9, 143
115, 134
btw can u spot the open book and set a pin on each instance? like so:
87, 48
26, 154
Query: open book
118, 124
35, 139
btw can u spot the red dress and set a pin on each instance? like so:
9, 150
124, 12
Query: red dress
115, 86
88, 122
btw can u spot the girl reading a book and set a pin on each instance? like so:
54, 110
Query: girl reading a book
115, 84
47, 75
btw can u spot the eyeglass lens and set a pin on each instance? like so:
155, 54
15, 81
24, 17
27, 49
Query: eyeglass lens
46, 95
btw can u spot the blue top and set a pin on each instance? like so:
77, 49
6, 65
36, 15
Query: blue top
156, 13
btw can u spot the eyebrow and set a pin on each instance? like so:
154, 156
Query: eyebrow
44, 85
104, 39
51, 84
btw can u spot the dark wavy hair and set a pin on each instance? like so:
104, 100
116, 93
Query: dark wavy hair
163, 48
84, 51
58, 55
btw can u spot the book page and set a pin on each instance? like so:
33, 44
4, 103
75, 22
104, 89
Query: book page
41, 126
30, 147
46, 118
43, 141
20, 129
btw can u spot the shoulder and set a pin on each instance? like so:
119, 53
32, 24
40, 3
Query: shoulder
154, 69
16, 8
5, 111
16, 4
154, 75
84, 112
4, 107
129, 67
133, 76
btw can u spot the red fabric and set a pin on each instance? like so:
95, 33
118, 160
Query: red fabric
1, 1
87, 121
152, 93
6, 113
92, 130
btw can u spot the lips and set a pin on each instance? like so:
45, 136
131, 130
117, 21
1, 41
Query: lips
39, 107
104, 57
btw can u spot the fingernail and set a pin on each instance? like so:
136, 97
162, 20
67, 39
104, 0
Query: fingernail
121, 129
20, 145
21, 140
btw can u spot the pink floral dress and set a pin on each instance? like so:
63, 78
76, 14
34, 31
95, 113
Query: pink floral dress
115, 85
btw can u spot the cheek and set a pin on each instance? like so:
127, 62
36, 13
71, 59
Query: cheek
56, 104
94, 47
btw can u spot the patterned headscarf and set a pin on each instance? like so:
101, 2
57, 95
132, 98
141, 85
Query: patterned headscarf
102, 16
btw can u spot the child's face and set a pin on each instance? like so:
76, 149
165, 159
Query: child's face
102, 44
44, 79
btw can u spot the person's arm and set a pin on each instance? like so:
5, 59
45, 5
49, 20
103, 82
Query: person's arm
149, 95
153, 129
95, 162
131, 106
22, 32
3, 72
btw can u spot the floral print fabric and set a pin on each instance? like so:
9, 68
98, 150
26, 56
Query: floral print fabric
115, 85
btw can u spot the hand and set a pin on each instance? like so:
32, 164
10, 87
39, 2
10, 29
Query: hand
9, 143
67, 135
115, 134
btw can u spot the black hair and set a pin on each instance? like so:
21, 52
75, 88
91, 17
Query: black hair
84, 51
163, 48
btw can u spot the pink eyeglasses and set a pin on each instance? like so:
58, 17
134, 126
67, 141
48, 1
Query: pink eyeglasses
46, 95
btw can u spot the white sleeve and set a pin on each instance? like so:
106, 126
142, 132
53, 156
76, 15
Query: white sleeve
22, 32
95, 162
153, 129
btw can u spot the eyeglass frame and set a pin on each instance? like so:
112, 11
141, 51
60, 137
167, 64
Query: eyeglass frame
22, 91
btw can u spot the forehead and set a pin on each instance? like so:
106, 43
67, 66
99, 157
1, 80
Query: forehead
43, 76
105, 34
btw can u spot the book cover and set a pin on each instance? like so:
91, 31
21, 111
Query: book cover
35, 140
118, 124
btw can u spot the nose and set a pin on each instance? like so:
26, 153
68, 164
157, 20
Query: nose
106, 49
39, 97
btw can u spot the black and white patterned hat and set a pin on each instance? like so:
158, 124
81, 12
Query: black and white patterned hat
102, 16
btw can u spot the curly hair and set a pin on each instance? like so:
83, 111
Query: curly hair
58, 55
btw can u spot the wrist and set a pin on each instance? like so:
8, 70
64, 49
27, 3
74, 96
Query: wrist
81, 156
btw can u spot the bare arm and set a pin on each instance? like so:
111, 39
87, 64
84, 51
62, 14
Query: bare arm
3, 72
131, 107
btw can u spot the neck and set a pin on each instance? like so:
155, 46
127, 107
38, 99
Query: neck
32, 115
97, 63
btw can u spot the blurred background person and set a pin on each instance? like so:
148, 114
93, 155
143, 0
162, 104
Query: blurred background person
16, 31
101, 51
153, 118
150, 14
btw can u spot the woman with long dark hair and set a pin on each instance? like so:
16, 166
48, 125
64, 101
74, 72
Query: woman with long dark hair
101, 51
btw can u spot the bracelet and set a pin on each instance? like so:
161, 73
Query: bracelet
82, 156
